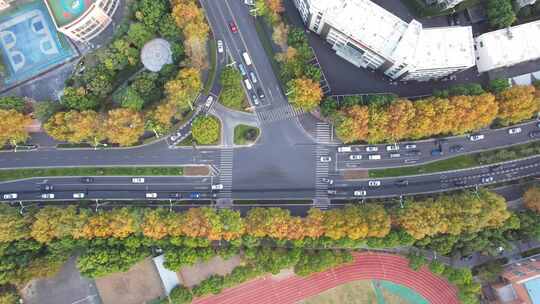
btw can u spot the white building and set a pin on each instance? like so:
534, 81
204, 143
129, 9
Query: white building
445, 4
508, 47
368, 36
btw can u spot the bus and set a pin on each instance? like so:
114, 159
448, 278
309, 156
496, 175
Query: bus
246, 58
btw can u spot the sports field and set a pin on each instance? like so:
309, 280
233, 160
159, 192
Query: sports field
65, 11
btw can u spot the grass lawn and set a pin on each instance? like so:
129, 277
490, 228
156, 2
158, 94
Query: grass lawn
240, 132
213, 63
357, 292
14, 174
463, 161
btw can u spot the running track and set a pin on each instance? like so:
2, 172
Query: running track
366, 266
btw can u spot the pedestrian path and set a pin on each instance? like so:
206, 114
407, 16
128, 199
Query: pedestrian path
225, 173
322, 168
323, 133
281, 113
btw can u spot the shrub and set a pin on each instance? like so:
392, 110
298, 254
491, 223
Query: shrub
206, 130
180, 295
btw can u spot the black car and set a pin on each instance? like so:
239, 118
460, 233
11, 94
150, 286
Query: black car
495, 168
402, 183
175, 195
87, 180
456, 148
260, 92
47, 187
460, 183
534, 134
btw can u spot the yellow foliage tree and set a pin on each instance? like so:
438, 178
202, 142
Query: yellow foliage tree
517, 104
124, 126
305, 93
531, 199
13, 127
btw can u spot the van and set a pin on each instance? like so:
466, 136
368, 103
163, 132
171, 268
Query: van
344, 149
395, 155
248, 84
374, 156
247, 59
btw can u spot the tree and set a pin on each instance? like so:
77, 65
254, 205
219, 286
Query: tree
190, 18
279, 35
184, 88
400, 116
304, 93
13, 226
139, 34
517, 103
130, 99
168, 28
500, 13
98, 82
180, 295
44, 110
206, 130
145, 85
98, 261
12, 103
531, 199
124, 126
151, 13
76, 127
78, 99
159, 120
53, 223
416, 261
232, 94
13, 127
497, 86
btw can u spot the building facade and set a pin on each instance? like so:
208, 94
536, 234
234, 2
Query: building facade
444, 4
370, 37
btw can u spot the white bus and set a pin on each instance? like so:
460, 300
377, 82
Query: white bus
246, 58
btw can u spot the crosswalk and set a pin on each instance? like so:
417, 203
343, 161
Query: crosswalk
321, 200
281, 113
225, 173
323, 133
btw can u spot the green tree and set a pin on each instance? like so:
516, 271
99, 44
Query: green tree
498, 85
416, 261
500, 13
206, 130
151, 13
78, 99
12, 103
44, 110
212, 285
98, 82
232, 94
146, 85
139, 34
180, 295
130, 98
98, 261
168, 28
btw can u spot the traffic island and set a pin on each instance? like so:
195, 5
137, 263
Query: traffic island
246, 135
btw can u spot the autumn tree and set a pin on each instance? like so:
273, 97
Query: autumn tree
531, 199
424, 119
304, 93
124, 126
76, 127
159, 120
117, 223
155, 223
13, 225
378, 119
13, 127
202, 223
52, 223
184, 88
344, 129
279, 35
517, 103
400, 116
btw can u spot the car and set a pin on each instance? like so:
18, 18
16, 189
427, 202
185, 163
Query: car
78, 195
392, 148
47, 195
495, 168
534, 134
487, 179
460, 183
209, 101
325, 159
176, 136
360, 193
410, 146
260, 92
249, 2
255, 99
8, 196
151, 195
220, 46
456, 149
395, 155
175, 195
344, 149
331, 192
327, 181
355, 157
233, 27
372, 149
538, 125
374, 183
217, 187
195, 195
402, 183
476, 137
87, 180
374, 156
137, 180
413, 153
516, 130
249, 87
46, 187
436, 152
252, 77
242, 69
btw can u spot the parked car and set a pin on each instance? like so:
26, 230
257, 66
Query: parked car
255, 99
374, 157
460, 183
217, 187
252, 77
78, 195
220, 46
360, 193
487, 179
325, 159
402, 183
195, 195
344, 149
456, 148
392, 148
9, 196
395, 155
327, 181
260, 92
331, 192
87, 180
47, 187
374, 183
516, 130
495, 168
137, 180
151, 195
476, 137
47, 195
372, 149
209, 101
534, 134
233, 27
355, 157
410, 146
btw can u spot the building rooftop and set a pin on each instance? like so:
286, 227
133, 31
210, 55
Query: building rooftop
66, 11
507, 47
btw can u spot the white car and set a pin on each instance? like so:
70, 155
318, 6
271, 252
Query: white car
372, 149
395, 155
410, 146
325, 159
344, 149
151, 195
176, 136
355, 157
392, 148
327, 181
487, 179
217, 187
360, 193
78, 195
137, 180
374, 156
8, 196
220, 46
47, 195
374, 183
209, 101
476, 137
514, 130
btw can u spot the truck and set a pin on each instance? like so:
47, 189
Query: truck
247, 59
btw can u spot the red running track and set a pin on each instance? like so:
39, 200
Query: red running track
366, 266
